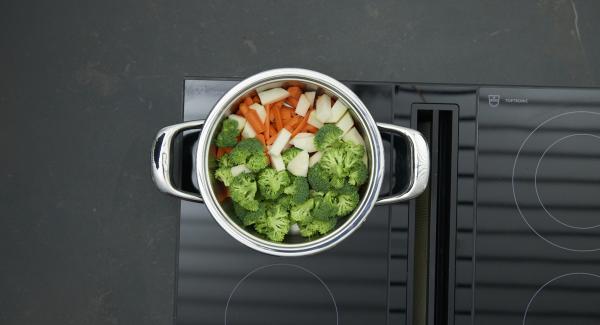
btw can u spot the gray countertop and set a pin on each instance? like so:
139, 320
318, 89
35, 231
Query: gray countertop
85, 236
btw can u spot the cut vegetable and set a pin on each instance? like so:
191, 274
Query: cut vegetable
239, 169
302, 106
353, 136
260, 110
323, 108
365, 159
277, 162
310, 96
314, 158
299, 165
241, 121
314, 121
306, 142
282, 138
273, 95
248, 131
345, 123
337, 111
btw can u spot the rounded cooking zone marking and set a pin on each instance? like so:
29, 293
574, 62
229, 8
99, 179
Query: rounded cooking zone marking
286, 270
529, 137
537, 192
561, 288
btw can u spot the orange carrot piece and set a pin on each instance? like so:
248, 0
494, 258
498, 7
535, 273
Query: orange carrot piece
272, 139
272, 130
310, 128
254, 120
243, 108
291, 124
292, 101
256, 99
261, 138
267, 122
301, 125
222, 150
286, 114
248, 101
278, 121
295, 91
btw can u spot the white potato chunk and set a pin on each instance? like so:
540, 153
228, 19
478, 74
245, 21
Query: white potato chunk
272, 95
345, 123
337, 111
323, 111
298, 166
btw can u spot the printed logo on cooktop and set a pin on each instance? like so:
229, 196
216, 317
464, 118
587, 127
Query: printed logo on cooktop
494, 100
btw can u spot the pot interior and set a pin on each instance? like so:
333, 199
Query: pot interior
218, 188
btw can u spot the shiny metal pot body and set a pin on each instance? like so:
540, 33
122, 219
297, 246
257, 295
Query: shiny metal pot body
295, 245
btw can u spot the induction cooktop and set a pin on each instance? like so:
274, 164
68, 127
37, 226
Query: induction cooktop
508, 231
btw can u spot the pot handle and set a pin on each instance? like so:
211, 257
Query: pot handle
161, 159
419, 157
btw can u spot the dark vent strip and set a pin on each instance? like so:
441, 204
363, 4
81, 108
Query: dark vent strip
434, 219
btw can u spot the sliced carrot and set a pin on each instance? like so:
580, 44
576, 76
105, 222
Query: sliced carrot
222, 150
295, 91
256, 99
301, 125
292, 123
292, 101
254, 120
272, 139
272, 130
286, 114
248, 101
261, 138
310, 128
278, 121
243, 108
267, 124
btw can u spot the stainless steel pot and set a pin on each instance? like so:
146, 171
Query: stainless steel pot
294, 245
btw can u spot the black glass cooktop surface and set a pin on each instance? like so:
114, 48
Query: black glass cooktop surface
538, 209
507, 232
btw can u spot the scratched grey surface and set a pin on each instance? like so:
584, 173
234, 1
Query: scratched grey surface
84, 236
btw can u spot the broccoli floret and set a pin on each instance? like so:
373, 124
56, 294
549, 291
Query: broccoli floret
224, 175
325, 205
249, 152
248, 217
298, 189
301, 212
271, 183
317, 226
353, 154
289, 154
228, 135
225, 161
286, 201
318, 178
243, 189
257, 162
358, 174
327, 136
347, 201
332, 161
275, 225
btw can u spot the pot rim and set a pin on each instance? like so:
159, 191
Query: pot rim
374, 149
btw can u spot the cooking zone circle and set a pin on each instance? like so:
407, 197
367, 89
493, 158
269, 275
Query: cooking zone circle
565, 141
572, 296
555, 180
281, 293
